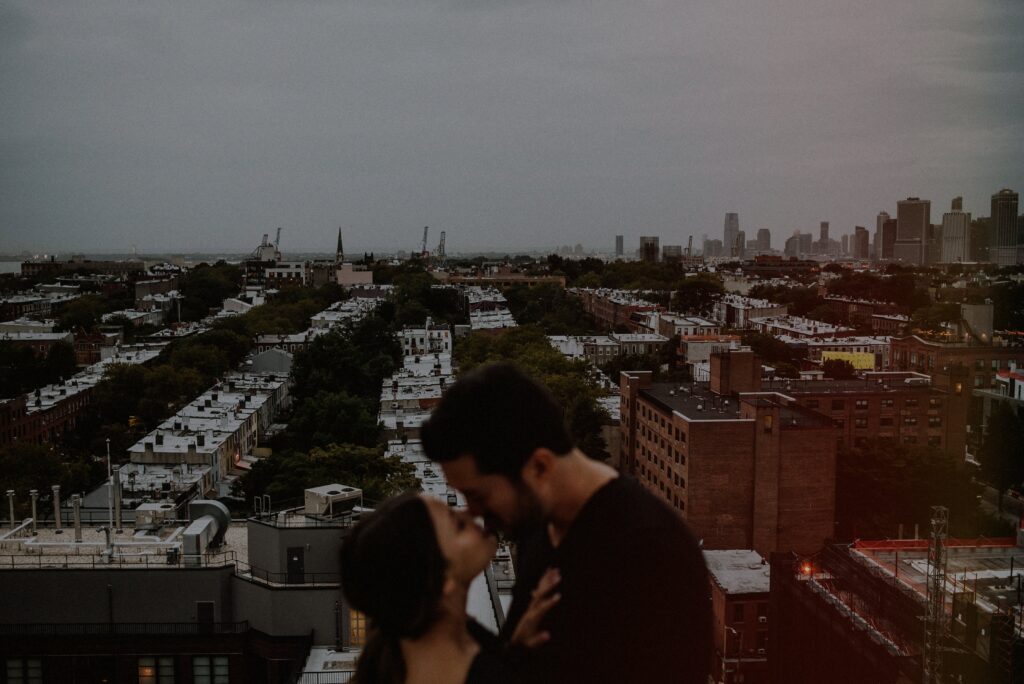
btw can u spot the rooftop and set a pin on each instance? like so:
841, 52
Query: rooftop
738, 571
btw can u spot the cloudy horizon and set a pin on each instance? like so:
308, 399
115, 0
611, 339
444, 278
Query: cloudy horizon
198, 126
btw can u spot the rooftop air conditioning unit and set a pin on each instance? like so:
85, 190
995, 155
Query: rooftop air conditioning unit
331, 500
152, 516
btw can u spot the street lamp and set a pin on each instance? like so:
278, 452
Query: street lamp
110, 489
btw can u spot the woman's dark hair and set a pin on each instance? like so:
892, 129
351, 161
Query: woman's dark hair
500, 416
392, 570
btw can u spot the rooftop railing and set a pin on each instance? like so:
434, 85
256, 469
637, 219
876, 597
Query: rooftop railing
121, 628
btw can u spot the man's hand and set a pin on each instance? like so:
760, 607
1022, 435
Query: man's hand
528, 633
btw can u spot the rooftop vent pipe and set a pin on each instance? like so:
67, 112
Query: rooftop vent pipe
76, 502
56, 509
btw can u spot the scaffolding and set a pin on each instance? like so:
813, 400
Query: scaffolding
935, 614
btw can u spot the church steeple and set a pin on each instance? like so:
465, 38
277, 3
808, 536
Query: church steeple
339, 255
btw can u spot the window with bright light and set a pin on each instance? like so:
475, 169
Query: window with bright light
356, 628
156, 670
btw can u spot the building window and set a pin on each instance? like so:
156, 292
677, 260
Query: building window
860, 422
887, 403
861, 404
979, 364
24, 671
811, 403
934, 421
356, 628
910, 439
838, 404
153, 670
934, 441
935, 403
910, 402
910, 420
885, 422
210, 670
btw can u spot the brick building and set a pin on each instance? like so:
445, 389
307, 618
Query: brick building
981, 361
855, 613
614, 308
739, 599
900, 407
747, 469
736, 311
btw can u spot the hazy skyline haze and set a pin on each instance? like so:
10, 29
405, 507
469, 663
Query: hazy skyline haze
199, 126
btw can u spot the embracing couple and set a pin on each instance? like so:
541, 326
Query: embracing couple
610, 584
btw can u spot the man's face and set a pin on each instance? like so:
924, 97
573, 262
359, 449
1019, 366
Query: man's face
504, 505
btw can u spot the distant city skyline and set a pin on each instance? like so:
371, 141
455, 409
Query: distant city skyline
509, 125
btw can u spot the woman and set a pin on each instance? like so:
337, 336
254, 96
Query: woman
408, 567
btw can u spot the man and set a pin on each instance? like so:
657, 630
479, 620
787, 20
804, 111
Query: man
634, 601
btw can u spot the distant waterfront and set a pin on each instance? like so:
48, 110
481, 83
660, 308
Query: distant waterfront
10, 267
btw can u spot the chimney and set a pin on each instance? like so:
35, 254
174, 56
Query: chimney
76, 502
117, 498
56, 509
34, 493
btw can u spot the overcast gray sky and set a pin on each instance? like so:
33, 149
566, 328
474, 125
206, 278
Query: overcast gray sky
193, 125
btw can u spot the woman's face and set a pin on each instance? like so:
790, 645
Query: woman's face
463, 543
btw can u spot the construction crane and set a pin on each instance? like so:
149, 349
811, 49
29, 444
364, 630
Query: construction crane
277, 243
423, 251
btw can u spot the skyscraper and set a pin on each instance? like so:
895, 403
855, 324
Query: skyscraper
956, 235
740, 252
879, 222
619, 240
844, 241
887, 248
649, 249
1004, 243
823, 232
732, 228
764, 240
913, 221
861, 243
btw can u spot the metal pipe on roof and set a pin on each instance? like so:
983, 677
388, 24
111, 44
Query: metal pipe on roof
34, 494
117, 497
56, 509
10, 501
76, 503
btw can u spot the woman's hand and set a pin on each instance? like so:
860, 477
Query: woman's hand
528, 632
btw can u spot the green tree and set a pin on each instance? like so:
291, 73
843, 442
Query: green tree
698, 295
285, 476
881, 485
83, 313
1002, 449
838, 369
333, 418
25, 466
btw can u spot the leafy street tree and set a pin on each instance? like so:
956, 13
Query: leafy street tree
528, 348
25, 466
1001, 451
838, 369
698, 295
882, 485
22, 371
333, 418
83, 313
285, 476
552, 308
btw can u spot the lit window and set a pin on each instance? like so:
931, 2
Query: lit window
356, 628
153, 670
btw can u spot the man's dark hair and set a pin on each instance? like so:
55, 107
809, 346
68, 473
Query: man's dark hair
499, 415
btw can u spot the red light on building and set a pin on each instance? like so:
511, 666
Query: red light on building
806, 568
